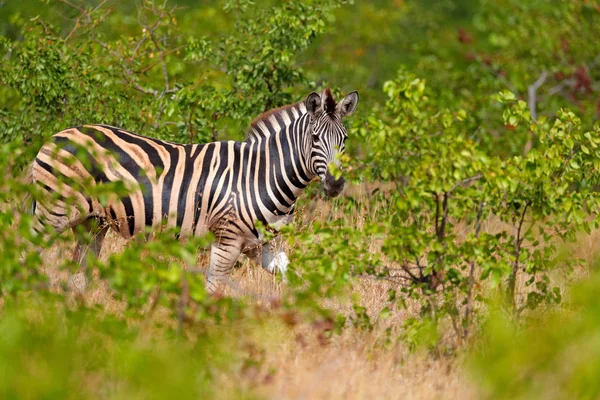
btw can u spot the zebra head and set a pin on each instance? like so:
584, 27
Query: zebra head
328, 135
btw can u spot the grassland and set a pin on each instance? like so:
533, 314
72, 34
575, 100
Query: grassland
291, 357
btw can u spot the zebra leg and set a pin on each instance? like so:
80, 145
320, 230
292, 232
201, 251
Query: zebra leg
274, 259
222, 259
78, 281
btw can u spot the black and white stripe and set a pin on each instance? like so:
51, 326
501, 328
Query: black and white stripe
225, 188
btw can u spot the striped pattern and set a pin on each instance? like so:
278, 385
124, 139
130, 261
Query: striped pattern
225, 188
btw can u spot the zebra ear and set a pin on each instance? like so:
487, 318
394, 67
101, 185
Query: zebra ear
312, 103
348, 104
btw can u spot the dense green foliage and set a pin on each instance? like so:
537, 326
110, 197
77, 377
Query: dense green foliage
471, 111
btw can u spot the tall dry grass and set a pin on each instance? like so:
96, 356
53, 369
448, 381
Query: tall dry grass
297, 363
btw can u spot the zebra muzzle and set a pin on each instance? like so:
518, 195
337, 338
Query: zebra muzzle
333, 187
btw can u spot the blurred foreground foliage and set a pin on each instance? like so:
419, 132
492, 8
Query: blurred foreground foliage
476, 142
49, 350
555, 356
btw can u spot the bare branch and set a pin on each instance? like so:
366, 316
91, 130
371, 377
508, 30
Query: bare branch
437, 213
143, 40
561, 86
512, 279
154, 64
75, 27
532, 94
83, 14
421, 276
466, 181
442, 231
128, 72
413, 277
472, 273
73, 5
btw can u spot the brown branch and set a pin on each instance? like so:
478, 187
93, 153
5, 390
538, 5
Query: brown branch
154, 64
161, 51
410, 274
466, 181
441, 233
393, 279
143, 40
75, 27
75, 6
215, 132
512, 279
128, 72
189, 127
437, 213
421, 276
83, 13
472, 273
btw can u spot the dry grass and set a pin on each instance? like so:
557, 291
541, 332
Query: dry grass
355, 364
297, 363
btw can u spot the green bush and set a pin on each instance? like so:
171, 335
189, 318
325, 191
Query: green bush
471, 115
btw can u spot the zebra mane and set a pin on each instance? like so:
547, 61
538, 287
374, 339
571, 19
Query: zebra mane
259, 125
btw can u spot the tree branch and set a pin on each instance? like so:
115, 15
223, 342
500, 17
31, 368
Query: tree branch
465, 181
472, 273
128, 73
512, 279
532, 94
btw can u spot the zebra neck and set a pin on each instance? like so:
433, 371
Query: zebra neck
282, 144
285, 157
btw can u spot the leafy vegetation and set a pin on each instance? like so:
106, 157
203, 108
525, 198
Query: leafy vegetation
474, 158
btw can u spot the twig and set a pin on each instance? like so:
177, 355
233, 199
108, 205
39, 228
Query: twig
532, 94
512, 279
128, 72
83, 13
143, 40
472, 273
215, 132
410, 274
420, 267
437, 213
465, 181
162, 60
441, 233
559, 88
75, 6
75, 27
154, 64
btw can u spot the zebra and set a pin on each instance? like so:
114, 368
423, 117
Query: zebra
226, 188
